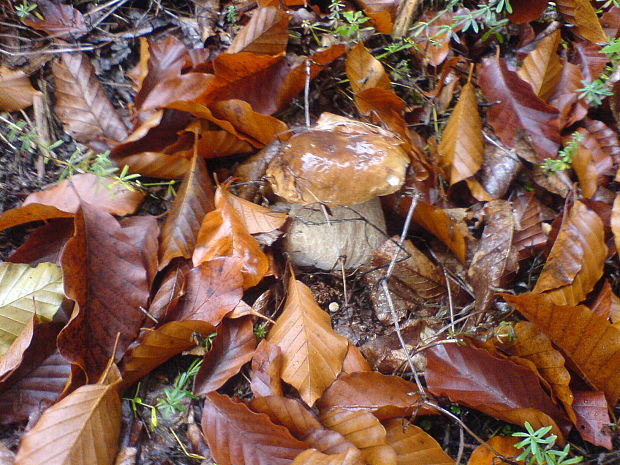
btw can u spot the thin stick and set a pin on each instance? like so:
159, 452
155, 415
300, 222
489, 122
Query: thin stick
307, 94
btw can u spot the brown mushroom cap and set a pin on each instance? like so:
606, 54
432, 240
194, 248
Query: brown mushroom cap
337, 167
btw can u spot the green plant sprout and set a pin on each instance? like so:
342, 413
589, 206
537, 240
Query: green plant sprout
538, 448
173, 398
232, 14
25, 8
260, 331
136, 401
565, 156
594, 92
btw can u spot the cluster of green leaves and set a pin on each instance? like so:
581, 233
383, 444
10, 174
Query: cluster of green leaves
538, 448
345, 25
565, 156
25, 8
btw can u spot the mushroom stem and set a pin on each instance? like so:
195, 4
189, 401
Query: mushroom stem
350, 233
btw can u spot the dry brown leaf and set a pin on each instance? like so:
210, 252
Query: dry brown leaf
505, 445
290, 413
530, 236
312, 353
525, 11
314, 457
414, 446
194, 199
519, 109
583, 16
363, 430
232, 348
495, 386
565, 97
495, 258
365, 71
589, 341
542, 67
154, 347
385, 396
531, 343
238, 436
266, 33
615, 222
447, 230
266, 370
355, 361
593, 422
82, 105
105, 275
575, 262
143, 232
57, 19
81, 429
255, 218
222, 233
462, 145
16, 92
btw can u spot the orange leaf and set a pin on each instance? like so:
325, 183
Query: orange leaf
385, 396
583, 16
542, 67
447, 230
505, 445
525, 11
81, 429
365, 71
193, 200
593, 418
266, 33
255, 218
531, 235
232, 348
312, 352
497, 387
105, 275
16, 92
615, 222
414, 446
82, 105
575, 262
314, 457
518, 108
462, 144
532, 344
154, 347
222, 233
589, 341
290, 413
364, 430
238, 436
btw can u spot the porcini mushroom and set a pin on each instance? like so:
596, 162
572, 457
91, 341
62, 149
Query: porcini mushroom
338, 163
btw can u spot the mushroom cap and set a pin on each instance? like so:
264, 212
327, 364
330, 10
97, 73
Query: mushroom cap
338, 167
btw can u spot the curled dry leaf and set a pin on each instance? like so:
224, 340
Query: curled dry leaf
171, 289
530, 235
266, 33
223, 234
516, 107
575, 262
531, 343
255, 218
497, 387
542, 67
329, 442
593, 418
81, 429
437, 222
25, 292
314, 457
504, 445
589, 341
312, 353
212, 290
105, 275
290, 413
266, 370
615, 222
582, 15
192, 202
365, 71
413, 445
82, 106
154, 347
590, 59
16, 92
238, 436
383, 395
564, 95
232, 348
462, 145
496, 258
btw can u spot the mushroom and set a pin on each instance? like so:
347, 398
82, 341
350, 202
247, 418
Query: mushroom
332, 175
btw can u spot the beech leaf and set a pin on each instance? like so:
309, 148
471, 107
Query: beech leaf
24, 292
589, 341
266, 33
314, 457
583, 16
266, 370
238, 436
593, 418
518, 108
504, 445
542, 67
290, 413
414, 446
312, 352
16, 92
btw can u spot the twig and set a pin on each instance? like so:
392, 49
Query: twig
307, 94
